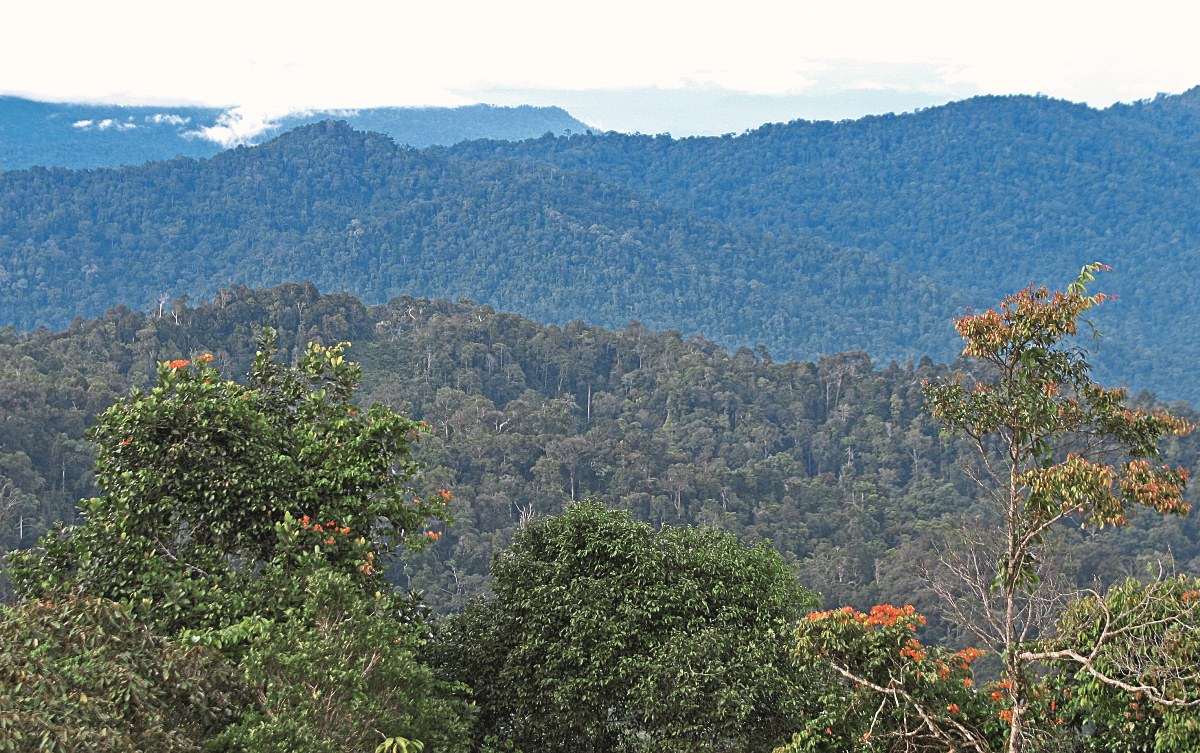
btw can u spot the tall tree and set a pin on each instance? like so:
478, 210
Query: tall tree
1051, 447
199, 473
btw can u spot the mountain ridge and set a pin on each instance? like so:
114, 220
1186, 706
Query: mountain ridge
85, 136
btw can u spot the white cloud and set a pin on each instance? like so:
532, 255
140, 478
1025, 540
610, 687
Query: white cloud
239, 125
159, 118
107, 123
269, 56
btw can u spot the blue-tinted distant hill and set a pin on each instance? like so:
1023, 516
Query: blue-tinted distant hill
982, 196
88, 135
82, 135
809, 237
353, 211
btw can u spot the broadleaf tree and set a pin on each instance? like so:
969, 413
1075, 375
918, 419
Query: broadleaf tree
254, 519
197, 472
1051, 448
607, 635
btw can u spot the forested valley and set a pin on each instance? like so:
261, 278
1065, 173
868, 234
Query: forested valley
833, 461
609, 443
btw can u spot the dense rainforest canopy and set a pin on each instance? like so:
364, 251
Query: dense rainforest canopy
834, 462
233, 549
809, 238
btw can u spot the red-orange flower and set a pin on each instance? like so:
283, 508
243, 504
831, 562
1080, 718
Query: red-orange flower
179, 363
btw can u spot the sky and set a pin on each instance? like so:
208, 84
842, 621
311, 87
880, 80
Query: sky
652, 66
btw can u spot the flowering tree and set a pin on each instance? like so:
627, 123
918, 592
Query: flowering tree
205, 480
1051, 447
254, 519
887, 691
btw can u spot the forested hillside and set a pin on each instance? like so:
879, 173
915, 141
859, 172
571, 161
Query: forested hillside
76, 135
833, 461
983, 196
808, 238
353, 211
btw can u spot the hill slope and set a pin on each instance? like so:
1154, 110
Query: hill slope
352, 211
982, 196
716, 235
833, 461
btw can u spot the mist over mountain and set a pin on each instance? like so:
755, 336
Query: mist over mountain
77, 135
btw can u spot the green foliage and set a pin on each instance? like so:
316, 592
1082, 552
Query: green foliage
83, 674
979, 196
1145, 636
915, 214
353, 211
199, 472
342, 674
834, 461
254, 520
605, 634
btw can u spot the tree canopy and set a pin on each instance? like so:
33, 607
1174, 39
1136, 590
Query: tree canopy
607, 635
246, 526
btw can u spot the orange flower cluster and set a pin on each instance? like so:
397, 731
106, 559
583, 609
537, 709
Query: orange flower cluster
953, 708
880, 616
998, 694
433, 535
968, 655
843, 612
206, 358
912, 650
446, 496
179, 363
331, 526
886, 615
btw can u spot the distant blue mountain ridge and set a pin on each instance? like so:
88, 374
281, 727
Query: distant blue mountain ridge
76, 135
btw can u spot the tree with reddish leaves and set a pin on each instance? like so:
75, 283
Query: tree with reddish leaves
1051, 448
